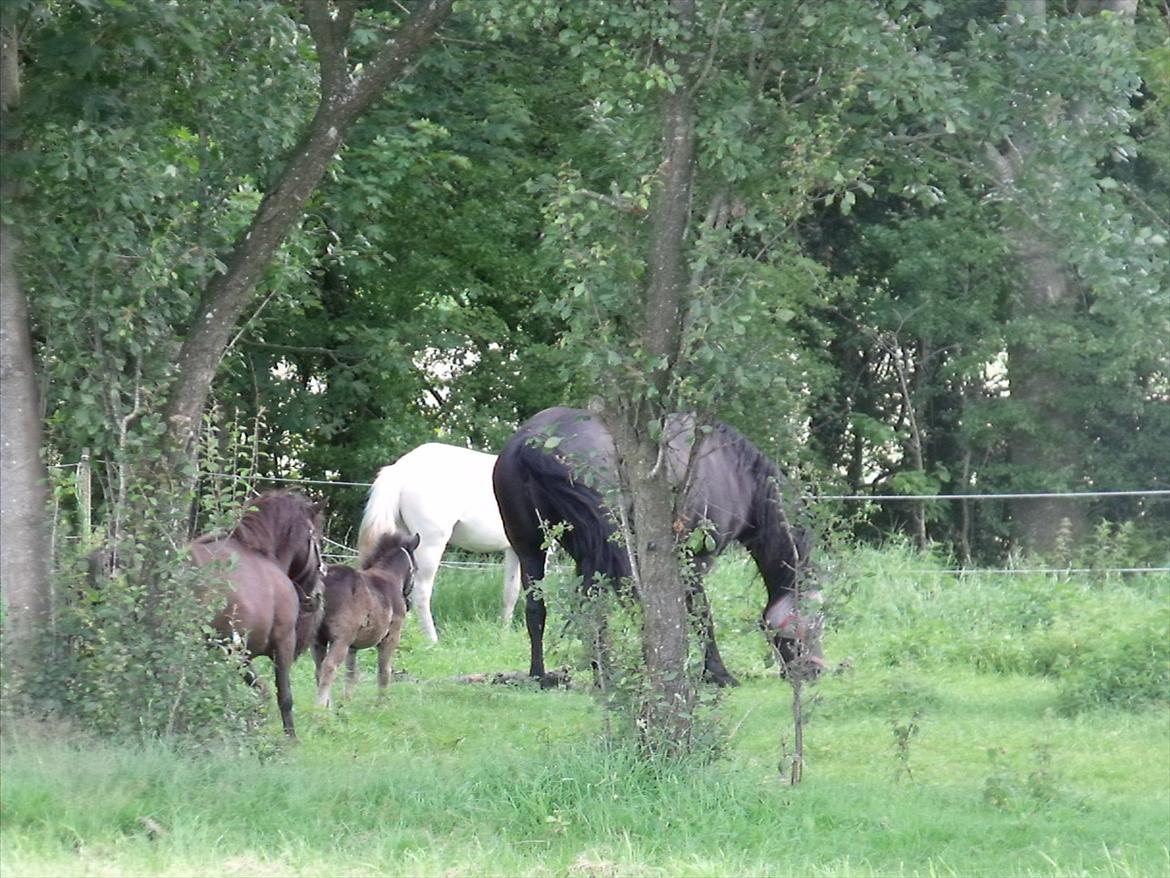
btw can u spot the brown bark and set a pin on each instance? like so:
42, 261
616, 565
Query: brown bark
24, 534
666, 714
343, 99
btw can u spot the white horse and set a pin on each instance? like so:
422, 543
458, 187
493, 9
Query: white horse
444, 494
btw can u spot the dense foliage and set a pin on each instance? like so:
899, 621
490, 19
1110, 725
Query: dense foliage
858, 294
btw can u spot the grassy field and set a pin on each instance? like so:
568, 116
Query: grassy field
963, 736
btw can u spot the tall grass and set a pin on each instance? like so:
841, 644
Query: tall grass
450, 778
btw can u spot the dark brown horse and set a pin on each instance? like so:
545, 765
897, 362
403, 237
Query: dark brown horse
272, 563
364, 608
560, 468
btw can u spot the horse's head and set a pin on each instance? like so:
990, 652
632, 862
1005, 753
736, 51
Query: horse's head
307, 565
794, 629
794, 618
393, 555
409, 548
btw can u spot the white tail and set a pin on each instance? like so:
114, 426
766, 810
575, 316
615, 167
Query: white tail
382, 512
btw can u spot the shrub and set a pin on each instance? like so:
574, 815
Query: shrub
1125, 664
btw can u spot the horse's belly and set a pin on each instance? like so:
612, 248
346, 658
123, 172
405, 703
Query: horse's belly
480, 535
372, 634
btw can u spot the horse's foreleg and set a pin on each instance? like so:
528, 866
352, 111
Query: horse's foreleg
386, 650
713, 667
511, 585
327, 669
351, 672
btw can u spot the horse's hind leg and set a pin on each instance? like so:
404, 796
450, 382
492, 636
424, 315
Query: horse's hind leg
282, 658
327, 669
253, 680
535, 613
426, 559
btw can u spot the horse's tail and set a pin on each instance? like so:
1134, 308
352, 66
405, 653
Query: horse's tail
381, 515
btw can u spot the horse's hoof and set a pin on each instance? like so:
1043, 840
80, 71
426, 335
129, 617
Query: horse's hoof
723, 680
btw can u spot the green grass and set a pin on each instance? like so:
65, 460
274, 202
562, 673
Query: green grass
446, 778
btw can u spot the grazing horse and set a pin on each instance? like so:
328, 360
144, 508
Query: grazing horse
444, 494
272, 562
555, 470
364, 608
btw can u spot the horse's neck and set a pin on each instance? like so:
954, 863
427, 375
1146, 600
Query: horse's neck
379, 583
772, 544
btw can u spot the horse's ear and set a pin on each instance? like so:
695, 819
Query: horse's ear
413, 544
319, 506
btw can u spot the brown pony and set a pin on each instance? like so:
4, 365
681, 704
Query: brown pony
364, 608
272, 563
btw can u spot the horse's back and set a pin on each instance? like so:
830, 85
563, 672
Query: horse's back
442, 492
554, 469
261, 603
560, 450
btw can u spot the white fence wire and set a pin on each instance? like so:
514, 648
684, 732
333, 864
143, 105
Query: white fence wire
342, 553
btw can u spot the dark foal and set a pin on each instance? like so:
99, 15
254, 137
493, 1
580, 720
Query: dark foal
364, 608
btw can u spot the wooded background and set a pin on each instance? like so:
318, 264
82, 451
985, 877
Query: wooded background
920, 247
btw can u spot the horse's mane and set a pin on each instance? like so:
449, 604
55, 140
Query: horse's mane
272, 518
385, 549
772, 538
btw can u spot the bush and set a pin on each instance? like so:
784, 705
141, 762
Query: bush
1126, 664
130, 652
1102, 638
133, 654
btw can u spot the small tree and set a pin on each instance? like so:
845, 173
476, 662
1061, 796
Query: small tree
722, 124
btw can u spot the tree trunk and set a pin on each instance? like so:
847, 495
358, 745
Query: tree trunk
666, 714
1047, 443
24, 532
343, 99
1046, 299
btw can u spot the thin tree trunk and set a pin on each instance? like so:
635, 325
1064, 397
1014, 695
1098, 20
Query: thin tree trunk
1046, 297
25, 548
666, 714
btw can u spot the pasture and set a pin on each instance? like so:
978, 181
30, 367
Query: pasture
994, 726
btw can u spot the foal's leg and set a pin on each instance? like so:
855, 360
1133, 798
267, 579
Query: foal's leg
386, 649
327, 670
319, 652
351, 671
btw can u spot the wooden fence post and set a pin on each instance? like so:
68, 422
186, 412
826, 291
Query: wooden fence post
85, 498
